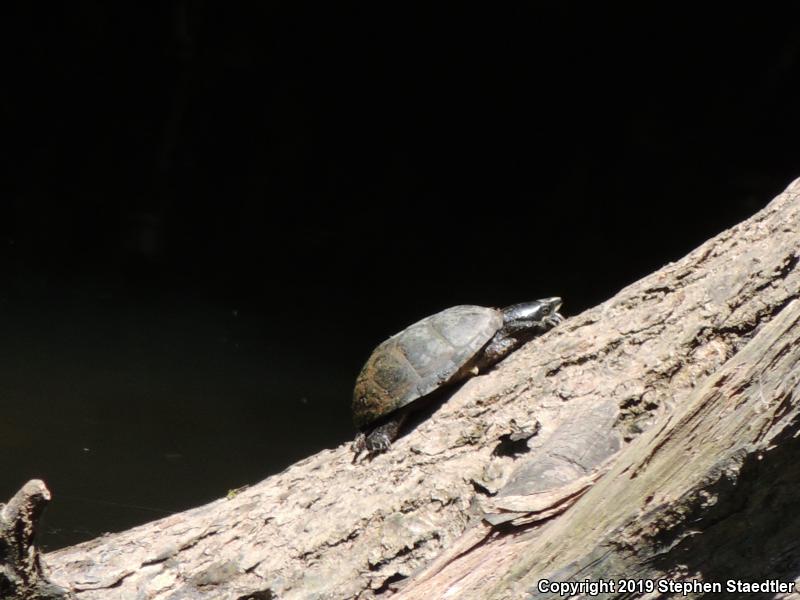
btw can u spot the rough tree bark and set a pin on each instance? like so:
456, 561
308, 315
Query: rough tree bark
654, 436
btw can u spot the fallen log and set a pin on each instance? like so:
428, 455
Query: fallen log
652, 438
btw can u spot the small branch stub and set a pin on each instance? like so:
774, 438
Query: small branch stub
21, 572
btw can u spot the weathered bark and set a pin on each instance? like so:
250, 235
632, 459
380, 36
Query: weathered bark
21, 574
655, 435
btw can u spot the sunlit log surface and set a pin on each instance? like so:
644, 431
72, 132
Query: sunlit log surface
653, 436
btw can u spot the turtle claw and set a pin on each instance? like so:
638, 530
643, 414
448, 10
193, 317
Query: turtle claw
553, 320
358, 446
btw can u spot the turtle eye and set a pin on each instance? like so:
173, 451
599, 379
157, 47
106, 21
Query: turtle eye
553, 304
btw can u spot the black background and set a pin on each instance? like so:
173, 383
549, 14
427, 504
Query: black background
328, 173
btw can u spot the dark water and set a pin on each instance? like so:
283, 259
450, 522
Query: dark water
132, 407
328, 186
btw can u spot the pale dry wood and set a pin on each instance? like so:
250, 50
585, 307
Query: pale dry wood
675, 483
463, 507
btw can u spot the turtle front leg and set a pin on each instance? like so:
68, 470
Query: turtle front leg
497, 349
512, 335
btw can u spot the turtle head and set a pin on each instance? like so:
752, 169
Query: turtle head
521, 322
540, 314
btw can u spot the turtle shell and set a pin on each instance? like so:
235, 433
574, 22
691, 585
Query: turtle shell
425, 356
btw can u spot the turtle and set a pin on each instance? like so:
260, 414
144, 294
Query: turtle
436, 352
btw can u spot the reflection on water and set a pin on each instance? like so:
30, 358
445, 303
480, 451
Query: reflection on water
131, 409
